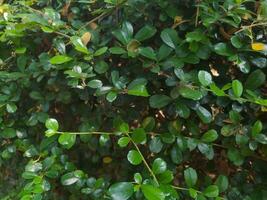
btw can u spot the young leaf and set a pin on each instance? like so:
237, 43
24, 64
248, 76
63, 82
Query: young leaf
52, 124
237, 88
67, 140
211, 191
59, 59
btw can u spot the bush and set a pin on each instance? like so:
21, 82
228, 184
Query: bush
137, 99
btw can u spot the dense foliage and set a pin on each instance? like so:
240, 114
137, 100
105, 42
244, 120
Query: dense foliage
133, 99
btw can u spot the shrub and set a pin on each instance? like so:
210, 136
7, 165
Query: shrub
133, 99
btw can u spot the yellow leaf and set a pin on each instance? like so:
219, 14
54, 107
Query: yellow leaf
177, 19
107, 160
86, 38
93, 25
258, 46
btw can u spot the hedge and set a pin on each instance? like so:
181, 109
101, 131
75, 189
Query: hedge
133, 99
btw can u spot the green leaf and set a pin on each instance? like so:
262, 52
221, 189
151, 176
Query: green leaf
134, 157
69, 179
148, 52
95, 83
255, 79
8, 133
67, 140
206, 149
148, 124
111, 96
101, 67
222, 183
138, 90
117, 50
209, 136
59, 59
159, 166
170, 37
124, 127
159, 101
11, 107
236, 42
204, 78
256, 128
165, 177
138, 178
145, 33
237, 88
139, 135
155, 145
101, 51
211, 191
52, 124
190, 93
123, 141
195, 36
223, 49
121, 191
78, 44
190, 176
193, 193
152, 193
204, 115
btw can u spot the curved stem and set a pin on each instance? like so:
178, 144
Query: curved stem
144, 160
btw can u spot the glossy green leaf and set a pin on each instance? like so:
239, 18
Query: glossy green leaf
211, 191
139, 135
134, 157
159, 166
152, 193
204, 78
52, 124
60, 59
209, 136
145, 33
237, 88
190, 93
121, 191
67, 140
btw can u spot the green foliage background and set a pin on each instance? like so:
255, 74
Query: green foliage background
133, 99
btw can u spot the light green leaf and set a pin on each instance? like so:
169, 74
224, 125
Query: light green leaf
67, 140
60, 59
152, 193
210, 136
237, 88
51, 124
211, 191
134, 157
